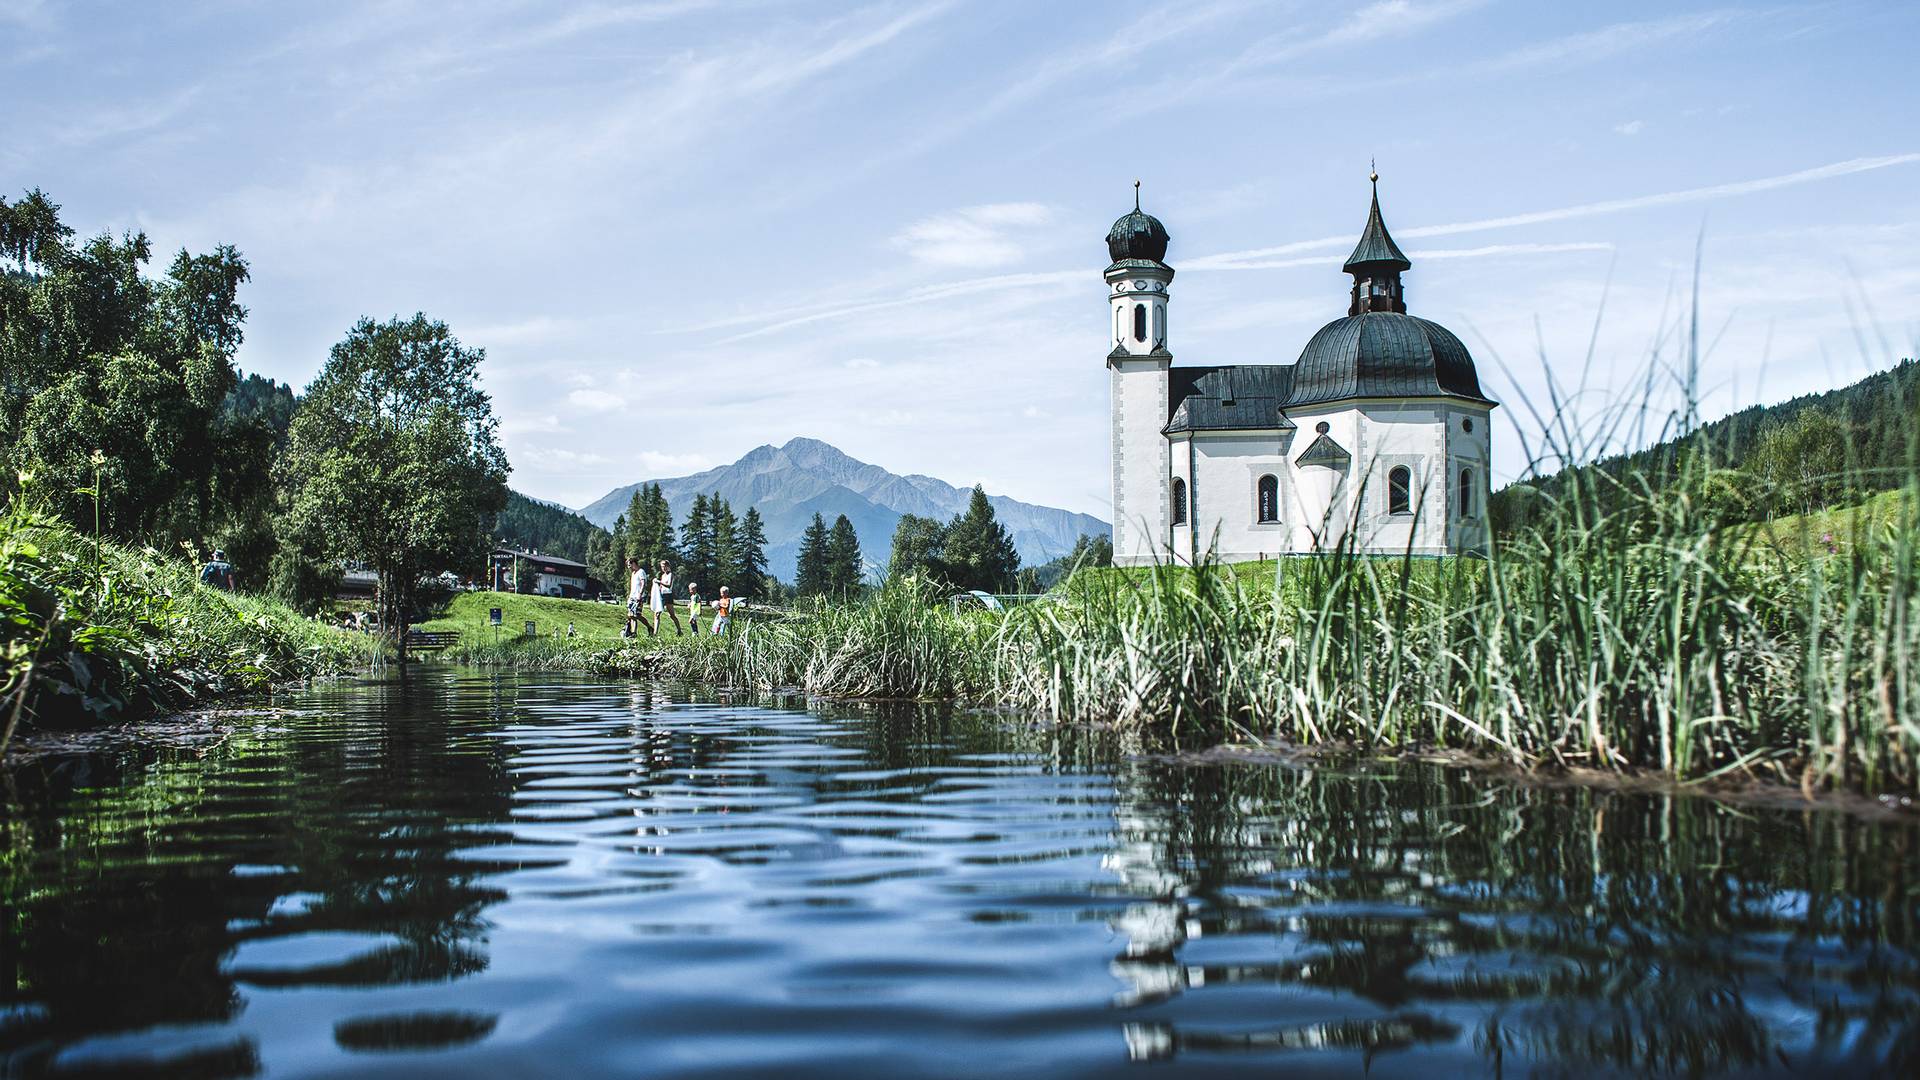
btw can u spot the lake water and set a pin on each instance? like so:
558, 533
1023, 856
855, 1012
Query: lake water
481, 875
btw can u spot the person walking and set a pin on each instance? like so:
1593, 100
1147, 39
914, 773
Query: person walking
636, 593
218, 572
663, 598
693, 606
722, 612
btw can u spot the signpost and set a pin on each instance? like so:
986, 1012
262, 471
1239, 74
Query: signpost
530, 630
493, 618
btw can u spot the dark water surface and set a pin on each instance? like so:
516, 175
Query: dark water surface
539, 876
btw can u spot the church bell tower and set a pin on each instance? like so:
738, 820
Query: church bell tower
1138, 282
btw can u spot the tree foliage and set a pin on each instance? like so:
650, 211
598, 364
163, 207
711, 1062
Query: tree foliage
393, 460
98, 358
845, 567
811, 575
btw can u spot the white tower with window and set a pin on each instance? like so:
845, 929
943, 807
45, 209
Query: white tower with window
1138, 287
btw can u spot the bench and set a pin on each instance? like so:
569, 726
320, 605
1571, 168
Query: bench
431, 640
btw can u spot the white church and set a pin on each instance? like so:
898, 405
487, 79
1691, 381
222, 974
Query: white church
1375, 439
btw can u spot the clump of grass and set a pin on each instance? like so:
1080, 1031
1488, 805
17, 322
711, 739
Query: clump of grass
92, 631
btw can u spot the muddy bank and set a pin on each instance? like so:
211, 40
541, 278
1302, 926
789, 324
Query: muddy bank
1742, 791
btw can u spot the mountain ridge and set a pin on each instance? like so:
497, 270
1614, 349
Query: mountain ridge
792, 482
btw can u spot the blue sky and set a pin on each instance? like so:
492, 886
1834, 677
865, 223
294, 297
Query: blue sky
681, 229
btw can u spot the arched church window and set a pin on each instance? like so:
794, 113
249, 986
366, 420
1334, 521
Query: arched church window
1466, 493
1119, 325
1159, 323
1139, 322
1267, 500
1400, 490
1179, 501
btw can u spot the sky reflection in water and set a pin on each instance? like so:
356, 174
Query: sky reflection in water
537, 875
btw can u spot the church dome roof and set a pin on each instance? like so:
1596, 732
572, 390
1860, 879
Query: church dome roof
1383, 354
1138, 235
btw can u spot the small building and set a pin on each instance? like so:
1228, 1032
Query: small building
542, 575
1375, 439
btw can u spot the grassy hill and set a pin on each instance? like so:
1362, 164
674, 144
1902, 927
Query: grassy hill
1869, 447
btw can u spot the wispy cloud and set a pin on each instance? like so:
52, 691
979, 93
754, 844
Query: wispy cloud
974, 237
1629, 127
1583, 210
1594, 45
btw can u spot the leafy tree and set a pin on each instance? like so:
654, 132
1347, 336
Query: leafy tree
918, 546
97, 358
979, 552
750, 578
845, 568
811, 576
393, 459
1803, 462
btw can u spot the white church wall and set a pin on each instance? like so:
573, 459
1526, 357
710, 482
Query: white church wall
1468, 439
1410, 435
1140, 458
1227, 468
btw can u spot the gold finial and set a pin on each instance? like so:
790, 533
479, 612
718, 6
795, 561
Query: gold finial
1136, 194
1373, 171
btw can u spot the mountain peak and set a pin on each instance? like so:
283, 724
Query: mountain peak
789, 484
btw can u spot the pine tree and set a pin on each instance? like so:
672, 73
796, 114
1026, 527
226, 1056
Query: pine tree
752, 577
696, 545
726, 543
631, 541
810, 572
659, 528
845, 568
979, 552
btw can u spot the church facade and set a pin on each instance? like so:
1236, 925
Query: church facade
1375, 439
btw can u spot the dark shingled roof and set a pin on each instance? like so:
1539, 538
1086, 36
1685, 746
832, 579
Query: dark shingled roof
1383, 354
1239, 397
1376, 247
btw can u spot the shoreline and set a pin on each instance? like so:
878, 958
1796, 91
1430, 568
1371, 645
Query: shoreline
204, 728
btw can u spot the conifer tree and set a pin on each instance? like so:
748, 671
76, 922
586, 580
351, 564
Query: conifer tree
656, 531
844, 565
631, 543
726, 543
810, 572
752, 577
979, 552
696, 544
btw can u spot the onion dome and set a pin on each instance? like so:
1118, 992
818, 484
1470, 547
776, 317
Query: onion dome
1383, 354
1137, 235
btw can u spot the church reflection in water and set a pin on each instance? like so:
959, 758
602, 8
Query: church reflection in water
1525, 926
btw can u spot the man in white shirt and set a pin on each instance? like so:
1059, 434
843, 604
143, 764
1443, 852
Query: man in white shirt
636, 592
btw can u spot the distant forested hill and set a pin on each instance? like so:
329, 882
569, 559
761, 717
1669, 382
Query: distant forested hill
532, 525
1792, 457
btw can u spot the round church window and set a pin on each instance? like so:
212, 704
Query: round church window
1467, 425
1322, 427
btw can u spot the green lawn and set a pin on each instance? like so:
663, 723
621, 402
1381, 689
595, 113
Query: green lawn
467, 614
1841, 522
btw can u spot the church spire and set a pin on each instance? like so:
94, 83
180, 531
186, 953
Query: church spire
1376, 264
